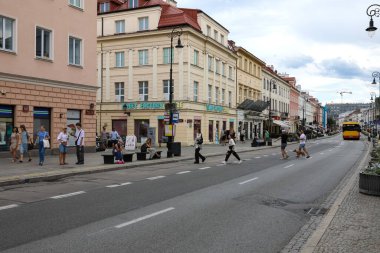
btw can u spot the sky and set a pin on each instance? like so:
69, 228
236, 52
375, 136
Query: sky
323, 43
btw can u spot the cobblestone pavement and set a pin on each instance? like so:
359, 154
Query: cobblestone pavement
355, 227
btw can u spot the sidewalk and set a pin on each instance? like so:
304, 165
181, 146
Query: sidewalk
28, 172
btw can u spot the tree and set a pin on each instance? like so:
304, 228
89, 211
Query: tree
331, 123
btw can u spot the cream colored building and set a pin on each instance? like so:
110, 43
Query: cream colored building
133, 71
47, 67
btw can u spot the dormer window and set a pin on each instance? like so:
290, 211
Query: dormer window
104, 7
133, 4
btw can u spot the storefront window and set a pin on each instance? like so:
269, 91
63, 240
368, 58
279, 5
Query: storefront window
41, 118
121, 126
73, 117
6, 125
141, 129
211, 130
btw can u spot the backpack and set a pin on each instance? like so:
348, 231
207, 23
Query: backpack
200, 140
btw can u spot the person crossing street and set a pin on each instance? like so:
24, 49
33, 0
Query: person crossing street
198, 146
231, 150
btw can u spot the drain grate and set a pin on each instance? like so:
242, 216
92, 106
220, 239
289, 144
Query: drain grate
316, 211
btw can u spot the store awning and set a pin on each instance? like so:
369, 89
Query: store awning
281, 123
252, 105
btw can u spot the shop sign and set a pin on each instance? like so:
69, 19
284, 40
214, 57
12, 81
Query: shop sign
147, 105
214, 108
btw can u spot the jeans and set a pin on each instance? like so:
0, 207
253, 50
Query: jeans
80, 154
41, 151
198, 155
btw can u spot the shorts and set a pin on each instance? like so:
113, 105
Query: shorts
283, 145
62, 149
23, 148
302, 146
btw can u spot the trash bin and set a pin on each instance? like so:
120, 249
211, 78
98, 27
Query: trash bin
254, 143
269, 142
175, 148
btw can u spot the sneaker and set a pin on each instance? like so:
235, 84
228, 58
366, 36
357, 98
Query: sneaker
240, 161
308, 156
196, 162
203, 160
224, 162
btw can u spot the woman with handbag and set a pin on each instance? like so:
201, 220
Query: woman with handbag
15, 141
25, 142
43, 143
63, 138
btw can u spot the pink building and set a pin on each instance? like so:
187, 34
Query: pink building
47, 67
294, 105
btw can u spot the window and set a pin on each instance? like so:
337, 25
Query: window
75, 48
7, 36
208, 30
119, 59
104, 7
143, 91
217, 95
166, 87
143, 24
223, 96
210, 63
230, 99
230, 72
120, 26
143, 57
196, 57
223, 69
209, 95
240, 94
167, 55
76, 3
217, 63
215, 35
119, 92
222, 39
133, 4
43, 43
195, 91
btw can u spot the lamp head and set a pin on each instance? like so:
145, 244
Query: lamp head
371, 29
374, 81
179, 44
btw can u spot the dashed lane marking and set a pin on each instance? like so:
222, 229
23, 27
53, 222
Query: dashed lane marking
248, 159
266, 155
257, 157
127, 183
321, 153
118, 185
249, 180
8, 207
67, 195
291, 165
204, 168
144, 217
155, 178
220, 165
183, 172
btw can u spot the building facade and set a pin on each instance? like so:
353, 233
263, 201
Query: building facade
294, 119
133, 72
48, 70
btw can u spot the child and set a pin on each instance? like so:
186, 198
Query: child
118, 154
231, 150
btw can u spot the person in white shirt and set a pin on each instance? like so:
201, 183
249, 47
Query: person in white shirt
198, 146
231, 150
63, 138
79, 143
302, 145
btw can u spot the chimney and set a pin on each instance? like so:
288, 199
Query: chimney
171, 2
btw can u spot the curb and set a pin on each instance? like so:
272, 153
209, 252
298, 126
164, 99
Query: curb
317, 235
56, 175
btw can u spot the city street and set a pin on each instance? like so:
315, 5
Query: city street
256, 206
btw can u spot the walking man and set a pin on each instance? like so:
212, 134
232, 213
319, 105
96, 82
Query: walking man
79, 143
303, 144
284, 143
231, 150
198, 146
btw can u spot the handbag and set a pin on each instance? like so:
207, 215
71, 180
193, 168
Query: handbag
46, 143
30, 146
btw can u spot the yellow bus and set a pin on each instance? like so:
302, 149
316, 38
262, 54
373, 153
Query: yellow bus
351, 130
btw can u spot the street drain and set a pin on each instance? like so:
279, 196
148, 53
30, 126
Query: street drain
274, 202
316, 211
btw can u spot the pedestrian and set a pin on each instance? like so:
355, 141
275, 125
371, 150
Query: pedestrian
25, 140
103, 138
42, 138
302, 147
242, 135
14, 143
284, 143
198, 146
150, 149
79, 143
118, 149
231, 150
114, 136
232, 134
267, 136
63, 138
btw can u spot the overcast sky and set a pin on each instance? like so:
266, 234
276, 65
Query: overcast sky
323, 43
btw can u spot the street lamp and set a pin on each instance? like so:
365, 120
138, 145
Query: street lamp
373, 95
375, 75
176, 32
271, 83
303, 112
372, 10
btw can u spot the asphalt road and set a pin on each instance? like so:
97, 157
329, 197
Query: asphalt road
256, 206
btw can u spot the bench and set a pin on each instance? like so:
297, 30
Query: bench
108, 158
258, 143
141, 156
128, 157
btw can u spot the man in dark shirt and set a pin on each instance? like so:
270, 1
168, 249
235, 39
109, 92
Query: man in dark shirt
284, 143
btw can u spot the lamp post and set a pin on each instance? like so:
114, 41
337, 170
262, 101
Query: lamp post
176, 32
372, 10
373, 97
375, 75
271, 83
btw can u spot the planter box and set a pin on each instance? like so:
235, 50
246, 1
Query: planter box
369, 184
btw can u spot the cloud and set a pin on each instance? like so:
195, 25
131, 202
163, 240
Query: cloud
341, 68
295, 62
